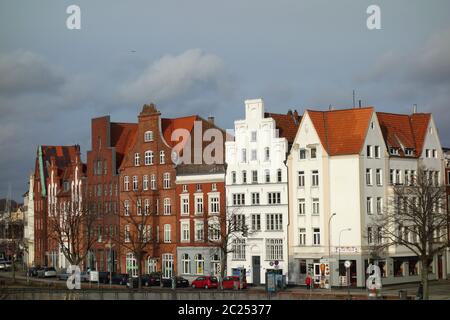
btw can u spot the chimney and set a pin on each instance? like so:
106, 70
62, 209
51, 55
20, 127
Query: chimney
289, 113
211, 119
330, 108
414, 108
295, 114
360, 103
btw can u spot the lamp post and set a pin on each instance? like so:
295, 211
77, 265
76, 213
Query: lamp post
339, 254
329, 246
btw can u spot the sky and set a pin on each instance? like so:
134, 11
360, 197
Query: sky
206, 57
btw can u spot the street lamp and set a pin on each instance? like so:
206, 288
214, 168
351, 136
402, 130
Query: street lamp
329, 245
339, 256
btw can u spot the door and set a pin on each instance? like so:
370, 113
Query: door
256, 267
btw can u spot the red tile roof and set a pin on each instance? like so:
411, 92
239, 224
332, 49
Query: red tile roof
407, 131
121, 136
342, 132
287, 124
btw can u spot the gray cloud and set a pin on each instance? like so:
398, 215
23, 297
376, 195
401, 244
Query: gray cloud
25, 72
188, 80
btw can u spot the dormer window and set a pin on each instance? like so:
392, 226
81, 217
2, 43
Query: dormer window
148, 136
409, 152
393, 151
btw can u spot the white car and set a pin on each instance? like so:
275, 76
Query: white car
47, 272
5, 265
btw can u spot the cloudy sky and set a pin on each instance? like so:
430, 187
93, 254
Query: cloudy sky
206, 57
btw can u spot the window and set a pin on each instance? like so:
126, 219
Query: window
392, 176
301, 206
369, 151
377, 152
315, 206
199, 205
274, 222
166, 178
266, 154
369, 236
279, 175
131, 264
214, 205
213, 230
379, 177
369, 205
136, 159
148, 159
372, 125
186, 263
379, 205
167, 206
199, 231
185, 188
148, 136
238, 248
153, 182
213, 187
198, 187
162, 157
274, 249
256, 222
167, 265
238, 199
255, 198
302, 154
267, 174
301, 179
233, 177
428, 153
135, 183
315, 178
127, 233
316, 236
398, 176
126, 183
238, 222
139, 207
274, 198
185, 206
167, 233
254, 157
199, 264
244, 155
409, 152
253, 136
435, 153
369, 177
394, 151
254, 176
185, 236
126, 205
146, 207
302, 237
313, 153
145, 183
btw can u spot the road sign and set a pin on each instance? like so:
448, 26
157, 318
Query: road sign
347, 263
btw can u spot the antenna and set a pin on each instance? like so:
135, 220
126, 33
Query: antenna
354, 99
360, 103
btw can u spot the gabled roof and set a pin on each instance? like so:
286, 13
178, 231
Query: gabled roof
404, 131
121, 136
170, 125
287, 124
342, 132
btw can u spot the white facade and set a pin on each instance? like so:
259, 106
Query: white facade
355, 188
29, 224
257, 154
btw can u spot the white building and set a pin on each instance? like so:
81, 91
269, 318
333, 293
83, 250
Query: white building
341, 169
256, 190
29, 224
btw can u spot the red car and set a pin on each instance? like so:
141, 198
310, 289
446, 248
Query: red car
228, 282
206, 282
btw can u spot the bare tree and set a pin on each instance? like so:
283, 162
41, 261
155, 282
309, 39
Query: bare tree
71, 228
11, 240
135, 232
227, 233
416, 218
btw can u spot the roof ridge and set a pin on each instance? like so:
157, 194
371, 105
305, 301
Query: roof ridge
341, 110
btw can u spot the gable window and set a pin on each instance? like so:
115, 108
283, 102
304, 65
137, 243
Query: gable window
369, 151
409, 152
266, 154
162, 157
315, 178
301, 179
377, 152
435, 153
148, 136
148, 158
393, 151
302, 154
313, 153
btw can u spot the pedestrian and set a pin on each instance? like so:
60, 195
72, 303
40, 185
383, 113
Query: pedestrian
308, 282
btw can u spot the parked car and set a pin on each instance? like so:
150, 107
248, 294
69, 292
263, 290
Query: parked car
179, 281
46, 272
119, 278
5, 265
32, 272
229, 282
103, 277
152, 279
207, 282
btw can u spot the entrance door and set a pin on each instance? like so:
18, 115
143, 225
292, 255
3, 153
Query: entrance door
256, 267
